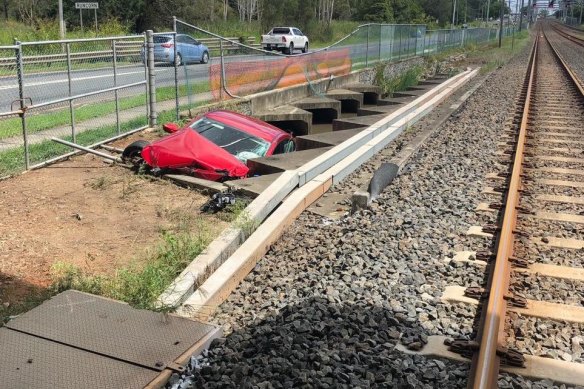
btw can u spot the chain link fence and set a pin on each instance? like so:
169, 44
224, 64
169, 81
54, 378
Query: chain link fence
90, 91
84, 91
239, 69
10, 121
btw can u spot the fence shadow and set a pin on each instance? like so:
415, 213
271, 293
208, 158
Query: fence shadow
18, 296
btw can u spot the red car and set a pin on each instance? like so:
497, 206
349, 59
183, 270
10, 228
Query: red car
214, 146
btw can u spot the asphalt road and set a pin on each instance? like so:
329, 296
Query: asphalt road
49, 86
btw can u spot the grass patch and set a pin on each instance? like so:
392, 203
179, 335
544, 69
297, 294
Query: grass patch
402, 82
138, 285
47, 120
12, 161
488, 55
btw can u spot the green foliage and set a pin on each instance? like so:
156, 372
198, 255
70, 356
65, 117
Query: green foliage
49, 30
402, 82
138, 285
55, 118
246, 223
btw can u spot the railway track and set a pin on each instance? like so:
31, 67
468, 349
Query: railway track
574, 37
543, 213
361, 301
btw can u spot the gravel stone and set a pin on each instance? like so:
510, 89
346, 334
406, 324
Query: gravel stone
330, 301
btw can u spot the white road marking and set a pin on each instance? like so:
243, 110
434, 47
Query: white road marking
65, 80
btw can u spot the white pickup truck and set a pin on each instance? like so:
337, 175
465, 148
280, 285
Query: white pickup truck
285, 39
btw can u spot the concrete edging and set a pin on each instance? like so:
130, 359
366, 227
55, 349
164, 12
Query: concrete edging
230, 239
202, 303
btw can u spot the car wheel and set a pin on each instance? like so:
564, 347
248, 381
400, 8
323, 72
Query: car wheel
291, 48
205, 57
305, 49
178, 60
133, 152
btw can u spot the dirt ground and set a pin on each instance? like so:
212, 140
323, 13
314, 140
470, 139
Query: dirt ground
97, 216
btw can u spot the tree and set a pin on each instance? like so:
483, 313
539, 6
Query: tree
325, 10
6, 9
247, 9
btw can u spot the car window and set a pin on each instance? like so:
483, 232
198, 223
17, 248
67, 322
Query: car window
161, 39
180, 39
238, 143
286, 146
298, 32
281, 30
190, 40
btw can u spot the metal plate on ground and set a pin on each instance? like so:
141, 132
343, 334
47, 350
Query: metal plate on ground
111, 328
29, 362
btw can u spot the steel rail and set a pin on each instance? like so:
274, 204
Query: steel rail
577, 82
575, 39
485, 370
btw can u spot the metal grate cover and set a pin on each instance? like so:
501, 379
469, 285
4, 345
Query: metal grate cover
28, 362
110, 328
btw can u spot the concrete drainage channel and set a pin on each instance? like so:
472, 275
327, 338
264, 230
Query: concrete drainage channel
291, 185
338, 130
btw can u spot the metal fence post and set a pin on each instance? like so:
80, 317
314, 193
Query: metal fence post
176, 86
20, 74
400, 43
380, 35
145, 62
222, 73
151, 78
367, 49
416, 42
71, 109
115, 63
409, 38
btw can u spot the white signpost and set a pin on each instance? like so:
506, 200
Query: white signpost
81, 7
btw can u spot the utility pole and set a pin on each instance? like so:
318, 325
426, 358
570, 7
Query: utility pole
501, 11
521, 15
61, 22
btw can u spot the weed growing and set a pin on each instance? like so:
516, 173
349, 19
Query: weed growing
402, 82
139, 285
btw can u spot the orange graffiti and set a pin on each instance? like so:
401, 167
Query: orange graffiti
247, 77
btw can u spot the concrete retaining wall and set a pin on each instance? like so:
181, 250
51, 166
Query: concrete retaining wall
261, 102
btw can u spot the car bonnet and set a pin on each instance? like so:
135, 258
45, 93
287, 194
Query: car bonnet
186, 148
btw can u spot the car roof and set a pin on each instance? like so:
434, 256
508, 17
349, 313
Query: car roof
247, 124
171, 35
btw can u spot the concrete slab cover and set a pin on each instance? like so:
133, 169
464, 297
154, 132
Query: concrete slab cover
288, 161
33, 363
326, 138
345, 94
112, 329
253, 186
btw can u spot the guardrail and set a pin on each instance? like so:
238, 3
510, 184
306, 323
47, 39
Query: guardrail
123, 49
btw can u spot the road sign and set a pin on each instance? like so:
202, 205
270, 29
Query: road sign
86, 5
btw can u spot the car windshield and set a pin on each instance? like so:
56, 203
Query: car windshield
281, 30
238, 143
161, 39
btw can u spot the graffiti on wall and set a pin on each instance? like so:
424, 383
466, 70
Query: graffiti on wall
273, 72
